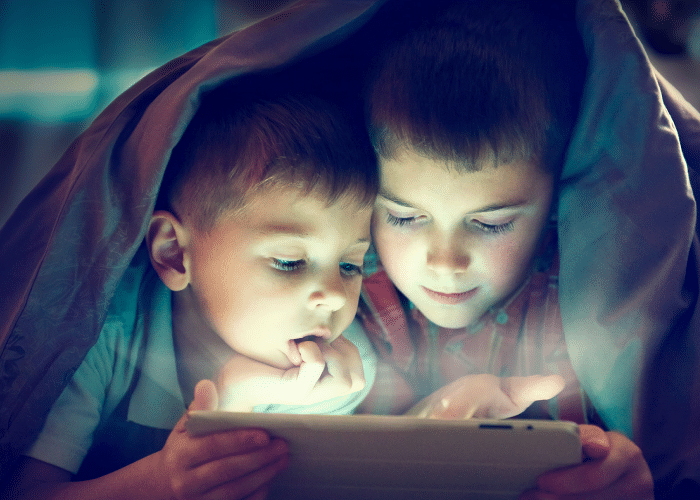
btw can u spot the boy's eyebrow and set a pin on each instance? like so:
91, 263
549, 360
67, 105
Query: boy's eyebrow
393, 198
488, 208
284, 230
500, 206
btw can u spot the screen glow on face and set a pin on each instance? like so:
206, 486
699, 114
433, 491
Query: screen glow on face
456, 243
287, 267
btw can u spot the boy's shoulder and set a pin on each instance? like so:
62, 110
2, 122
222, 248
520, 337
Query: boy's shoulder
137, 338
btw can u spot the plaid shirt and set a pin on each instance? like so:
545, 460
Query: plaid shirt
523, 337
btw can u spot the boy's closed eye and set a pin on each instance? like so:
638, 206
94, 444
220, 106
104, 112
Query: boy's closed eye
395, 220
487, 223
288, 265
496, 228
491, 228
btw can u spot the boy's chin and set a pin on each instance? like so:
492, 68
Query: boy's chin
452, 325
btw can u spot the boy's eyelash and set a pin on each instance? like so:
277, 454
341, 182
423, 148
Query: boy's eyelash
495, 228
487, 228
287, 265
399, 221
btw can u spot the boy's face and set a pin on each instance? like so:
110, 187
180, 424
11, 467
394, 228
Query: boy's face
457, 244
285, 268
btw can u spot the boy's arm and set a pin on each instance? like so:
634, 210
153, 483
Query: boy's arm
225, 465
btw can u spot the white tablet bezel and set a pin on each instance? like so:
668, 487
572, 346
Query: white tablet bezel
386, 457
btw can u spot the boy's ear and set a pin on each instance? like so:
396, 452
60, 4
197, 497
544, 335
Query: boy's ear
166, 240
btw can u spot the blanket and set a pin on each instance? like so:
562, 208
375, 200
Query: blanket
630, 258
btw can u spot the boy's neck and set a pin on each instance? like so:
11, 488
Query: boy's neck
199, 350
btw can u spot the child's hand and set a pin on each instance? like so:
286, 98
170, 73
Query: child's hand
613, 469
326, 371
487, 396
224, 465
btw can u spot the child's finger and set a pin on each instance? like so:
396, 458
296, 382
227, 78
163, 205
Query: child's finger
310, 352
338, 372
523, 391
594, 442
249, 486
344, 364
312, 365
354, 361
488, 396
461, 399
621, 468
423, 410
210, 447
235, 476
206, 397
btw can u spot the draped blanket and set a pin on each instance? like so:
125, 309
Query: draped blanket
629, 250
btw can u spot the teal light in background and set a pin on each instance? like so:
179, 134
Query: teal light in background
47, 59
137, 36
47, 34
48, 95
63, 61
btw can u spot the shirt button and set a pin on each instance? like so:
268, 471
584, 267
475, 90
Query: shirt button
502, 318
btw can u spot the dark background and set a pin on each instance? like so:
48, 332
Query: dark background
62, 62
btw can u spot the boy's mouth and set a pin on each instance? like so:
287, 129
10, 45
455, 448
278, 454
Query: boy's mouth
312, 338
450, 298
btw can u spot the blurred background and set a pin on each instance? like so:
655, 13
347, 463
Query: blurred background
63, 61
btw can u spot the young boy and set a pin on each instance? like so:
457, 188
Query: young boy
252, 267
471, 115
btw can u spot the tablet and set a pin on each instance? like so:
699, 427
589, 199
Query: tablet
369, 457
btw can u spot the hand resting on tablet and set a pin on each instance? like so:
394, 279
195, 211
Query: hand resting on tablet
487, 396
613, 468
238, 463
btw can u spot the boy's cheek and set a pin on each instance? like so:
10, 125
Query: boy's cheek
400, 263
390, 246
353, 297
389, 240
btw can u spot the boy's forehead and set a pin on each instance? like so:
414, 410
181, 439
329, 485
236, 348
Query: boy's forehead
296, 211
408, 162
295, 191
409, 178
407, 153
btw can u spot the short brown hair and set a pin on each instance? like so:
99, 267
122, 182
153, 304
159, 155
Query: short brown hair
481, 79
250, 134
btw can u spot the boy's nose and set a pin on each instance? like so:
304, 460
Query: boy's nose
329, 294
447, 258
